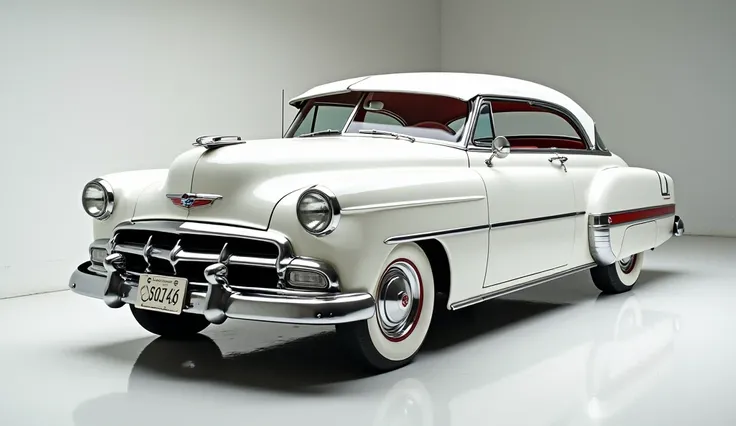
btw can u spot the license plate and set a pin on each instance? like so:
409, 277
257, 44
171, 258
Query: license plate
161, 293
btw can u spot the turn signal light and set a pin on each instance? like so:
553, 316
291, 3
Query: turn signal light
306, 279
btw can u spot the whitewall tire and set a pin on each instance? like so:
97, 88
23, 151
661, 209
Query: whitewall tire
404, 297
619, 277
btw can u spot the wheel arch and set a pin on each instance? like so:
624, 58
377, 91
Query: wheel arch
440, 263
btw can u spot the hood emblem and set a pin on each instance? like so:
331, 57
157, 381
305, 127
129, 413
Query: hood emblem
216, 141
189, 200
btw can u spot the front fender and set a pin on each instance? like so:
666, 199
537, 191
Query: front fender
127, 187
378, 205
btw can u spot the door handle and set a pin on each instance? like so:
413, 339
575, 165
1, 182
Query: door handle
562, 161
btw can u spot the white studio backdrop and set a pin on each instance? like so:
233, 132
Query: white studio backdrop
89, 88
658, 76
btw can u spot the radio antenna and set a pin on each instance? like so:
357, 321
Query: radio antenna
282, 113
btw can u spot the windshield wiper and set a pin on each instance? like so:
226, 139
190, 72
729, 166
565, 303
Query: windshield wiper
385, 133
321, 132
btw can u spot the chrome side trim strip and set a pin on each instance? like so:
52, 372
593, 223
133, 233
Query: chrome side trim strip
370, 208
434, 234
508, 290
535, 219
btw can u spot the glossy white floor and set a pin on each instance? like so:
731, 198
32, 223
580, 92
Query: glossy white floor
557, 354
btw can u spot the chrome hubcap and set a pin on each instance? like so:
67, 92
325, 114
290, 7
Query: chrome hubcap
399, 299
627, 264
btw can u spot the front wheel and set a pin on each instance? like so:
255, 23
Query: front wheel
619, 277
168, 325
404, 305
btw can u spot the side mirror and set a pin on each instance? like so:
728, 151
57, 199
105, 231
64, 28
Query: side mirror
501, 148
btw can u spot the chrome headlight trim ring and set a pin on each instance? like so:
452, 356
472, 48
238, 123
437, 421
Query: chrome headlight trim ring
331, 202
107, 190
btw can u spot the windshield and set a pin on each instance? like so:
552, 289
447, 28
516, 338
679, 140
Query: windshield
406, 114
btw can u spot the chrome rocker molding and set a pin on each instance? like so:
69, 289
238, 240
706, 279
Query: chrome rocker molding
518, 287
218, 299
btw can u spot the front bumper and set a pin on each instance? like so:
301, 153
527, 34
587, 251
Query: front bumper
218, 302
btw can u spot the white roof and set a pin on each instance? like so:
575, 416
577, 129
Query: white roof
464, 86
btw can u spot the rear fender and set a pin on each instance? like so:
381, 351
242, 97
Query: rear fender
630, 210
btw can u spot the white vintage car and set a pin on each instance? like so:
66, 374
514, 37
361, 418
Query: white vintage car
384, 192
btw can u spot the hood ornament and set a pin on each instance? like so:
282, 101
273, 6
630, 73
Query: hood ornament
189, 200
212, 142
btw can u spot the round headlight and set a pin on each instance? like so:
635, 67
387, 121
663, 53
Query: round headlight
318, 211
98, 199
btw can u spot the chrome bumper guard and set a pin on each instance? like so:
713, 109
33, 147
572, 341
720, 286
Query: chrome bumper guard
218, 296
217, 301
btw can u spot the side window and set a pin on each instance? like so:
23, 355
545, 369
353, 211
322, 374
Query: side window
323, 117
306, 124
456, 125
533, 126
484, 127
520, 123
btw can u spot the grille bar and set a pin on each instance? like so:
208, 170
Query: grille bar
253, 262
180, 255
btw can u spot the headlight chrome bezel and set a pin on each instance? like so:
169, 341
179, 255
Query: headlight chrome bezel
107, 190
332, 203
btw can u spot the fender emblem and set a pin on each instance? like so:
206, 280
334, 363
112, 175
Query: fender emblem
188, 200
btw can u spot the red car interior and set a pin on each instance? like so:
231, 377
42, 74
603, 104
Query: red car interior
430, 111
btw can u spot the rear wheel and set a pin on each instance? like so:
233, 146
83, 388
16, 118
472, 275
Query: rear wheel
619, 277
168, 325
404, 305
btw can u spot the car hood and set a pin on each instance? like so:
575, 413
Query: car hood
252, 177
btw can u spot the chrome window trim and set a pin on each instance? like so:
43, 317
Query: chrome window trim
354, 113
577, 124
493, 123
470, 123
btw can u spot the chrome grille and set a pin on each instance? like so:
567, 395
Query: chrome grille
250, 262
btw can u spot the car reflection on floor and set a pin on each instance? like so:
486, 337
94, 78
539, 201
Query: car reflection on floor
512, 361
